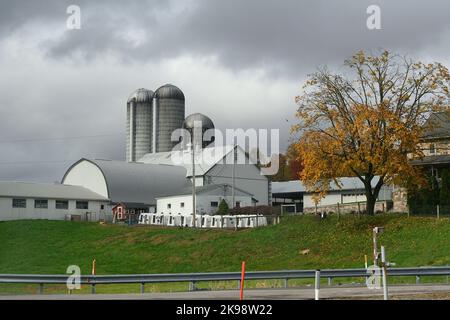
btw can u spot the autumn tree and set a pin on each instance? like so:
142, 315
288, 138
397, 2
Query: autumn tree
366, 122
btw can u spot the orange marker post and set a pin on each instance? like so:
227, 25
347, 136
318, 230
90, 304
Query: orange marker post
241, 295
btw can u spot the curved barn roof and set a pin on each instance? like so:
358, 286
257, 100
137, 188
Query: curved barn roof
137, 183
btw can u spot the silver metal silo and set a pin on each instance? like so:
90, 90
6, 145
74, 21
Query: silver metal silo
139, 124
169, 116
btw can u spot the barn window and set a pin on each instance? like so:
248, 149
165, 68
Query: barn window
82, 205
41, 204
169, 206
19, 203
182, 204
62, 204
214, 204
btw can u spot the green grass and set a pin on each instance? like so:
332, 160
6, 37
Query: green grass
49, 247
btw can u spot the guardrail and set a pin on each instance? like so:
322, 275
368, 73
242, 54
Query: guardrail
192, 278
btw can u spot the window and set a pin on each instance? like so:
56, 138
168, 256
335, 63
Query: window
19, 203
182, 205
102, 207
432, 148
41, 204
62, 204
169, 206
214, 204
238, 204
82, 205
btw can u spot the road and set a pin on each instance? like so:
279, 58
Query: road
405, 291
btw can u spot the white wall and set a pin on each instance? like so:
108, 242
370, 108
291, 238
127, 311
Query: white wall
330, 199
247, 178
7, 212
88, 175
203, 203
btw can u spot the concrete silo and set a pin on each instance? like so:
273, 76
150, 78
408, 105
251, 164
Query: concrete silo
169, 115
139, 124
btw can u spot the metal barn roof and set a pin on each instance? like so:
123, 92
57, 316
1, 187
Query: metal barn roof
294, 186
47, 191
208, 158
226, 188
139, 183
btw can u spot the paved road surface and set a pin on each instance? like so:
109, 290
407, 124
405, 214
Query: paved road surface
255, 294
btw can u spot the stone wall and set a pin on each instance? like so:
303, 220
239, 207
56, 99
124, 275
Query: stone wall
399, 198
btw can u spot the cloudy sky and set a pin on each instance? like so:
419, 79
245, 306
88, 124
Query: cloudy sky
242, 62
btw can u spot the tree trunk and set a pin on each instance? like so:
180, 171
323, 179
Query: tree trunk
370, 205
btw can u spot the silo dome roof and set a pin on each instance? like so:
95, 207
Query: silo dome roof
169, 91
141, 95
206, 122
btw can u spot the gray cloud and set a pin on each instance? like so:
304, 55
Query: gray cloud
281, 37
245, 62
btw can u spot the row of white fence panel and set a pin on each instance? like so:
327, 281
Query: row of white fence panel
203, 221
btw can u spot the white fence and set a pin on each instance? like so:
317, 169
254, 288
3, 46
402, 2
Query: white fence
203, 221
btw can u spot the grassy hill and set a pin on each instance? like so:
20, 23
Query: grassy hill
48, 247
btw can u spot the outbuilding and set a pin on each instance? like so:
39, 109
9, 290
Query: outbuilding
29, 200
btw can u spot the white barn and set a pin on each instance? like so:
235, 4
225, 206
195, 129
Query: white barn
207, 198
213, 166
28, 200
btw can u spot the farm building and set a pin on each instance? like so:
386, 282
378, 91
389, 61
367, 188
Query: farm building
27, 200
293, 194
135, 185
208, 199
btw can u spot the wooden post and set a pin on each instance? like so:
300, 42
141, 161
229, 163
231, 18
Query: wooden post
339, 211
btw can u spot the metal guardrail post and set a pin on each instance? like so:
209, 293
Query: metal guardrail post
317, 285
41, 288
142, 287
93, 288
330, 281
417, 279
286, 285
192, 286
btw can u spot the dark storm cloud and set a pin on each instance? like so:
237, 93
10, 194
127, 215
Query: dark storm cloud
67, 94
281, 37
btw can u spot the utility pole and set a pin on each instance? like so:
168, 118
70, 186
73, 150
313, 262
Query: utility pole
233, 177
194, 207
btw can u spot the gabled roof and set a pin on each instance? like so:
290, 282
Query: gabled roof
138, 183
205, 159
439, 126
47, 191
295, 186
